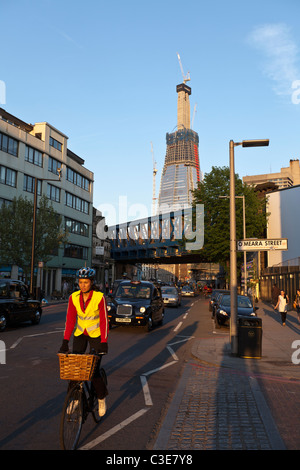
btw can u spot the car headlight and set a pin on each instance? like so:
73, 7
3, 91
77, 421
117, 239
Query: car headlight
143, 309
108, 308
222, 312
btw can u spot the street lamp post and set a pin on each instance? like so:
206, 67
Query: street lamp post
244, 235
34, 224
233, 266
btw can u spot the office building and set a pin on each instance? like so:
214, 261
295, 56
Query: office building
29, 151
287, 177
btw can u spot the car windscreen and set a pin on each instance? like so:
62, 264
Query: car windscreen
169, 290
244, 302
225, 300
133, 291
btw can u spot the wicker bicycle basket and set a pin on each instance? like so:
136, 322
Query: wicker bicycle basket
77, 366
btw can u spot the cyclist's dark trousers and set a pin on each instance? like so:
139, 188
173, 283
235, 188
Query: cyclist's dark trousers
79, 346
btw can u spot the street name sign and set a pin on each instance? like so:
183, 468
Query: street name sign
263, 245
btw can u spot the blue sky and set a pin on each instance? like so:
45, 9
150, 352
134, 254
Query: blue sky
105, 74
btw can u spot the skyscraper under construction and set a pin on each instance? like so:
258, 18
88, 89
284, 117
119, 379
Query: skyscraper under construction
181, 170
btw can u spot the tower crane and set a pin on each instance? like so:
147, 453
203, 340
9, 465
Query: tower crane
154, 176
186, 77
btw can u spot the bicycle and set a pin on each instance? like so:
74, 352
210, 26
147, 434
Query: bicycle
81, 398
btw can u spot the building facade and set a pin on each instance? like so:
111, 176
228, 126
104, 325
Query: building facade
181, 171
284, 222
29, 151
287, 177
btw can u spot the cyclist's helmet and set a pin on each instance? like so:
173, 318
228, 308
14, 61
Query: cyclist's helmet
86, 273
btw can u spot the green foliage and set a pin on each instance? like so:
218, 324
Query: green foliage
217, 218
16, 232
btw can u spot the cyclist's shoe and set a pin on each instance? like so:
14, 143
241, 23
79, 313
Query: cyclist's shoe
102, 407
72, 407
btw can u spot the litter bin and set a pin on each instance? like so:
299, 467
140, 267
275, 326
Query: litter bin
249, 337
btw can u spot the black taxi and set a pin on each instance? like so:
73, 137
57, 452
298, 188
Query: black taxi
16, 306
136, 303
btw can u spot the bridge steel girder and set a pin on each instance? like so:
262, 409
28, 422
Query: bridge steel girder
155, 239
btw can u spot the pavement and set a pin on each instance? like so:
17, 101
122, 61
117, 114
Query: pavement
229, 402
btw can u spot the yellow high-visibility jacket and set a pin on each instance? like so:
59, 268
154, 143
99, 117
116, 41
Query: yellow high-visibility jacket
88, 320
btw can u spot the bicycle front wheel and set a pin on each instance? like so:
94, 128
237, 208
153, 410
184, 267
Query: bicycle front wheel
71, 419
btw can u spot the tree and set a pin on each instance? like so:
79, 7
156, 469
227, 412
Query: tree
216, 247
16, 232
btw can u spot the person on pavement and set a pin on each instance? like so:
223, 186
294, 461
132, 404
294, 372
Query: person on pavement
297, 302
282, 302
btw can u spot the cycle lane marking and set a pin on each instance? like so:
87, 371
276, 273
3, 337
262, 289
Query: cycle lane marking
147, 398
115, 429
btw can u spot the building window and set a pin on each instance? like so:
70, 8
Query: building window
8, 176
5, 202
79, 228
53, 165
78, 179
28, 185
77, 203
54, 143
76, 251
33, 156
8, 144
53, 193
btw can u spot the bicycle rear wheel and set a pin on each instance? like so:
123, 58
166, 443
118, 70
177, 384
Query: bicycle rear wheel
95, 407
71, 419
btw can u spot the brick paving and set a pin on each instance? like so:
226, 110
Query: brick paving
218, 411
224, 402
283, 398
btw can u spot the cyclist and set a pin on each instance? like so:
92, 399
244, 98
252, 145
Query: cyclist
88, 308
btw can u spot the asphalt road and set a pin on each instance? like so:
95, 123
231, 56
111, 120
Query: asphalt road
143, 370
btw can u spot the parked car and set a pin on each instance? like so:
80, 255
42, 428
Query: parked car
137, 303
214, 296
171, 296
217, 300
16, 306
244, 308
187, 291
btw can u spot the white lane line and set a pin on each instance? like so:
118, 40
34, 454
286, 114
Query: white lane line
16, 343
159, 368
146, 391
172, 353
178, 326
115, 429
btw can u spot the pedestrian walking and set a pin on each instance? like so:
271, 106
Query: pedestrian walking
282, 303
297, 302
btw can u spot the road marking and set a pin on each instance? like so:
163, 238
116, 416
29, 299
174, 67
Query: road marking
146, 391
159, 368
16, 343
115, 429
178, 326
172, 353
